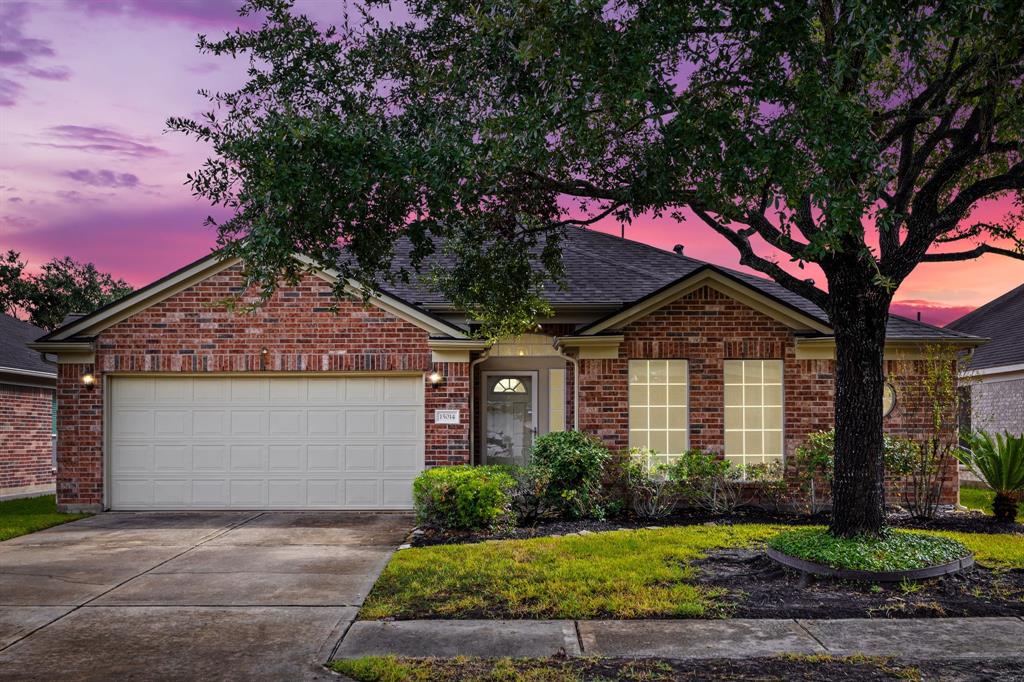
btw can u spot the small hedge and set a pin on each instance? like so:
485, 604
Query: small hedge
464, 497
894, 551
573, 463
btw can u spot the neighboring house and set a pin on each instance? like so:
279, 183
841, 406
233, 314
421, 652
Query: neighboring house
27, 404
995, 371
170, 401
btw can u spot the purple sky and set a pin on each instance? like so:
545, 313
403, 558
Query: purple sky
87, 169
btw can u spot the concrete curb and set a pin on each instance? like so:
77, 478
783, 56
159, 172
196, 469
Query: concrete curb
909, 639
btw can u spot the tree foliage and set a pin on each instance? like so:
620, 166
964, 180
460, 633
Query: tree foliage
62, 286
859, 136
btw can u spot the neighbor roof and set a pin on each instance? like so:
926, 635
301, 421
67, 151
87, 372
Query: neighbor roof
14, 355
605, 271
1001, 320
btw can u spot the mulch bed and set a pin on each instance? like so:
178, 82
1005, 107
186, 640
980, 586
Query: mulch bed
760, 588
788, 668
962, 521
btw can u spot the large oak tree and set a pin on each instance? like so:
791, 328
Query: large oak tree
858, 136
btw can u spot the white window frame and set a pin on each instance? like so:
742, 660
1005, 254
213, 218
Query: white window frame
741, 459
662, 457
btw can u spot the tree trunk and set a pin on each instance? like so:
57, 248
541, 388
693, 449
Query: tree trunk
859, 315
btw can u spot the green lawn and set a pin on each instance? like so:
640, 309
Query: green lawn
981, 499
20, 517
617, 574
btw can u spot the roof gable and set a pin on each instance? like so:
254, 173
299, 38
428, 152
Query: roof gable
84, 328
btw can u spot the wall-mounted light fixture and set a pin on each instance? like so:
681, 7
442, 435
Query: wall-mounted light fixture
435, 379
89, 381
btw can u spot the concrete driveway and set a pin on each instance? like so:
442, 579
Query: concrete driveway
214, 595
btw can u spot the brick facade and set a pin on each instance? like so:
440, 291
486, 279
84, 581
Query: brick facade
706, 328
997, 405
26, 427
302, 328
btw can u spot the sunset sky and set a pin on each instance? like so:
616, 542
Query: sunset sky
87, 169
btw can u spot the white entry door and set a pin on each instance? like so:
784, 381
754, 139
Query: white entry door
191, 442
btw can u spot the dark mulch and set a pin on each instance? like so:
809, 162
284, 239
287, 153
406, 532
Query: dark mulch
963, 521
760, 588
782, 668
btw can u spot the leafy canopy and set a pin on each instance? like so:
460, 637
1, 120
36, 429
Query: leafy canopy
62, 286
854, 135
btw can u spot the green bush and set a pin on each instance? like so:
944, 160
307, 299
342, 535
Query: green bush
574, 462
999, 461
651, 493
705, 480
530, 500
464, 497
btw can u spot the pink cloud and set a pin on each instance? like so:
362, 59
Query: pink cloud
223, 13
102, 178
20, 54
99, 139
932, 312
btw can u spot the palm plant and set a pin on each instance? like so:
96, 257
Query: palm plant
999, 461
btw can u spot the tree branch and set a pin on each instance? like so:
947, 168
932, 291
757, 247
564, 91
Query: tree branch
741, 240
972, 254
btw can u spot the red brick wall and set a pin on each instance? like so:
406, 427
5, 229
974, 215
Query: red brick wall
26, 457
706, 328
302, 327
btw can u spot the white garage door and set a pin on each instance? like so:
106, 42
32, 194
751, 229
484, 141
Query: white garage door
188, 442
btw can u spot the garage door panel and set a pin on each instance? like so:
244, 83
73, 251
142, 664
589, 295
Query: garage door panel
362, 492
324, 457
209, 423
210, 458
285, 458
172, 423
247, 458
172, 458
212, 493
248, 423
324, 494
281, 443
362, 458
362, 423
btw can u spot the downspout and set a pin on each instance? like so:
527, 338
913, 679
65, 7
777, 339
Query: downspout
575, 385
472, 412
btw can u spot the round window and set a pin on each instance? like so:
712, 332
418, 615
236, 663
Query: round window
888, 399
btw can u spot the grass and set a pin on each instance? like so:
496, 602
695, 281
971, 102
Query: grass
560, 669
27, 515
981, 499
895, 551
616, 574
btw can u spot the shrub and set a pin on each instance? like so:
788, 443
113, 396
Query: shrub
815, 459
998, 461
769, 487
652, 494
706, 481
530, 500
464, 497
574, 462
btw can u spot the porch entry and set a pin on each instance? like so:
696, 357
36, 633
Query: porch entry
510, 416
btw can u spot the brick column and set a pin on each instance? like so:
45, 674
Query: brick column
447, 444
79, 439
604, 401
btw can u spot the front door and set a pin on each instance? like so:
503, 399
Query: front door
510, 416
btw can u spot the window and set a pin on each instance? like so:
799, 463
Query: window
657, 406
509, 386
753, 411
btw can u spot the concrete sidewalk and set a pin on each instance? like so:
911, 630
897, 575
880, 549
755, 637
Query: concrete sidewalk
907, 639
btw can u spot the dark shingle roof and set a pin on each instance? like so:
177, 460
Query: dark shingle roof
1001, 320
602, 270
14, 334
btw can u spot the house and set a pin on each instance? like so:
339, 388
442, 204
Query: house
27, 405
170, 401
996, 370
